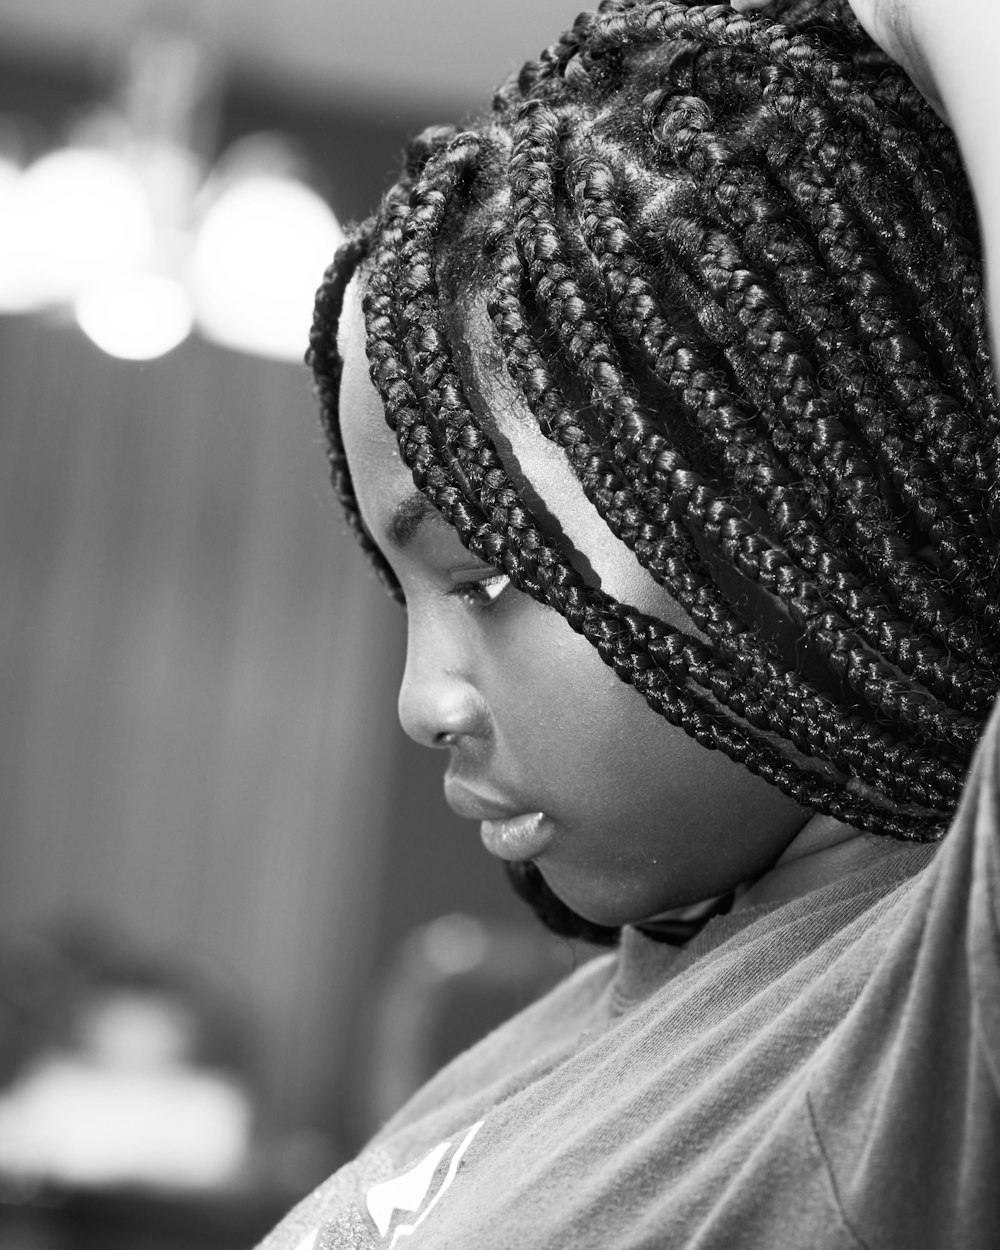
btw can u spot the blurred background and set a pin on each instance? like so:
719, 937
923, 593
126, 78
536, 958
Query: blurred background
237, 922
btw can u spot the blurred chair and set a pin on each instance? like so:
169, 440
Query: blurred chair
450, 983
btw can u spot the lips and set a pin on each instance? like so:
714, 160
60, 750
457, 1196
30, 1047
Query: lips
518, 839
508, 831
475, 806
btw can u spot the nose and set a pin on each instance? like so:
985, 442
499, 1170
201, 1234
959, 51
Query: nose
439, 704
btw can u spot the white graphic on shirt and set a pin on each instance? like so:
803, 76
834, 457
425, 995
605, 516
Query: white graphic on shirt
308, 1241
414, 1190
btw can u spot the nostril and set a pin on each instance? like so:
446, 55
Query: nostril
438, 705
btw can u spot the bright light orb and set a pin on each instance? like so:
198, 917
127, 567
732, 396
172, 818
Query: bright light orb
15, 287
135, 316
81, 214
259, 257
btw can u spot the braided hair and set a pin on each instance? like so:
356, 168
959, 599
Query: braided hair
732, 266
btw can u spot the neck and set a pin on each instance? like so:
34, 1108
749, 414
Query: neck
823, 850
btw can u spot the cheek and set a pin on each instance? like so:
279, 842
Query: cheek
632, 790
558, 706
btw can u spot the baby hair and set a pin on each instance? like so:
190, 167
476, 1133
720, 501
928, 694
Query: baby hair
731, 265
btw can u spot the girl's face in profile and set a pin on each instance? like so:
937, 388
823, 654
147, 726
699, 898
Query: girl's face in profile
558, 760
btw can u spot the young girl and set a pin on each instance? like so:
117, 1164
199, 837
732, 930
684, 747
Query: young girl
662, 398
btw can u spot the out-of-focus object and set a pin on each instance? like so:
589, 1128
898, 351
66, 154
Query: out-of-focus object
127, 1088
72, 216
125, 1109
125, 227
450, 982
264, 239
135, 315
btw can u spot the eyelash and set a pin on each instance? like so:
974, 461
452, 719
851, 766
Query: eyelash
482, 593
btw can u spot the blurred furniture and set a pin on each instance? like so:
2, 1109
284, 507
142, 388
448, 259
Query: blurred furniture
450, 983
141, 1220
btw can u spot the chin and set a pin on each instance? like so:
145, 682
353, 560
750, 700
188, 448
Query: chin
606, 907
599, 903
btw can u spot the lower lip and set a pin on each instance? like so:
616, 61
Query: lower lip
519, 838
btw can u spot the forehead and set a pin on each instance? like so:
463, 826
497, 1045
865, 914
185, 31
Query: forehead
383, 484
539, 468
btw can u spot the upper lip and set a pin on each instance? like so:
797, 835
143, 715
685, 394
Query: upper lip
475, 806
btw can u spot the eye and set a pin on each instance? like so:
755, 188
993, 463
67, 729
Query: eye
482, 591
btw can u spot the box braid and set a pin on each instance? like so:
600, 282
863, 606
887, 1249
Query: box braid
732, 266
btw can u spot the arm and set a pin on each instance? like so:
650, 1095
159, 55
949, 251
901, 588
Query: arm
950, 50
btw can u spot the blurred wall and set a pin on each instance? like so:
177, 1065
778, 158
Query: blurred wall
197, 708
197, 731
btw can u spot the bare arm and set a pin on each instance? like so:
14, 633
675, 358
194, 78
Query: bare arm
950, 48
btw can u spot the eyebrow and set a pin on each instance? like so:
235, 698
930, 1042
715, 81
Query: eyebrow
408, 516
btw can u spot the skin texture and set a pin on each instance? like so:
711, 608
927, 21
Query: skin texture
637, 819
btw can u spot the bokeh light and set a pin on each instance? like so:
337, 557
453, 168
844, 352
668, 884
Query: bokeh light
259, 255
